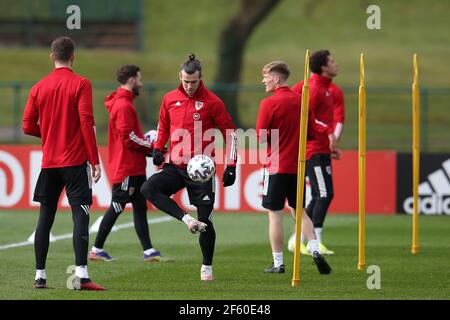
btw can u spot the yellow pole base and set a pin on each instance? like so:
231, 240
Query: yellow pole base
361, 266
415, 250
295, 282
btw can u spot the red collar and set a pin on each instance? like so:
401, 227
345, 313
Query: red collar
283, 89
126, 94
63, 68
324, 81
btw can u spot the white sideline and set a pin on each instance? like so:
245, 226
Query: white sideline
69, 235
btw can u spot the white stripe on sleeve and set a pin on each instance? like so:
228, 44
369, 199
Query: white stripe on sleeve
139, 141
338, 130
321, 123
233, 149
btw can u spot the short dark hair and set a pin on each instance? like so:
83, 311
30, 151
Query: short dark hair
191, 65
279, 67
126, 72
318, 60
63, 48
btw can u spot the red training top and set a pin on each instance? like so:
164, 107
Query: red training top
127, 148
189, 123
326, 101
339, 109
59, 110
282, 111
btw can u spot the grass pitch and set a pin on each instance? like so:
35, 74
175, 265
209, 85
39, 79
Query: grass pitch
242, 253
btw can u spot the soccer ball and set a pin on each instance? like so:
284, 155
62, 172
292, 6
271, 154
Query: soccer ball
150, 136
201, 168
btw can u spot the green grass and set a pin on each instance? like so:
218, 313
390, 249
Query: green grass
242, 252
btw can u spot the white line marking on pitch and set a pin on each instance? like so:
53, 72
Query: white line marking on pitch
69, 235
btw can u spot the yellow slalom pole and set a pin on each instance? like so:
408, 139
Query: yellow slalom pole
301, 172
362, 167
416, 155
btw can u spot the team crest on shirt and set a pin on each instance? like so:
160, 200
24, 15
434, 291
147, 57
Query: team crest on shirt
328, 168
131, 191
327, 94
198, 105
196, 116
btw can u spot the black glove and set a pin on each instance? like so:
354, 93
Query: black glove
150, 154
229, 176
158, 157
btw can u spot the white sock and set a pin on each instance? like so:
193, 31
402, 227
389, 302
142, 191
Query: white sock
313, 245
96, 250
302, 238
277, 259
81, 272
40, 274
187, 218
149, 251
318, 232
207, 269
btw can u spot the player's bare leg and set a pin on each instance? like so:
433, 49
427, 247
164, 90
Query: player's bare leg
276, 241
308, 232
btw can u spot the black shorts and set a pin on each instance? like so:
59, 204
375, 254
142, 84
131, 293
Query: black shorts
127, 190
76, 179
172, 179
319, 172
277, 188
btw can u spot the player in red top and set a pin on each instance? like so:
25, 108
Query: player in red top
186, 115
278, 124
59, 111
127, 151
327, 103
